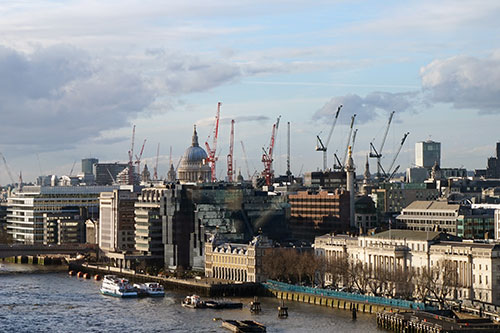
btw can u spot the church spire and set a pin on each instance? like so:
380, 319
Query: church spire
367, 174
195, 138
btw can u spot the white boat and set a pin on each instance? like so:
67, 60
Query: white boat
193, 302
118, 287
152, 289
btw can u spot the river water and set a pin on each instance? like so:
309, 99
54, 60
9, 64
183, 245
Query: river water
37, 299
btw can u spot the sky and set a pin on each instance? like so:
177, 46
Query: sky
75, 76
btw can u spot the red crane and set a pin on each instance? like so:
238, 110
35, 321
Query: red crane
230, 155
130, 160
267, 157
211, 151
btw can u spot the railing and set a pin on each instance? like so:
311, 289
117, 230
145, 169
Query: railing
281, 286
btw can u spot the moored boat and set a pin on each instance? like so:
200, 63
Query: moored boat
152, 289
118, 287
223, 305
243, 326
193, 302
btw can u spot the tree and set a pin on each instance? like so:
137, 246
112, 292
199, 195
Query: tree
439, 282
359, 276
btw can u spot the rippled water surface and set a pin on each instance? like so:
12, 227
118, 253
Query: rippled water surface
55, 302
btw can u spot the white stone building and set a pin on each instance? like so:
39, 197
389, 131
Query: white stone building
478, 264
236, 262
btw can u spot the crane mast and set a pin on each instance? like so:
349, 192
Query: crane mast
323, 147
130, 159
230, 155
246, 159
267, 156
378, 154
397, 153
138, 158
349, 138
211, 151
7, 169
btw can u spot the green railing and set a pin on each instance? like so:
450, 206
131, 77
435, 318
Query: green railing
281, 286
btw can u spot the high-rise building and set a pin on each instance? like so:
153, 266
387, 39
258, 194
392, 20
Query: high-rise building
427, 153
88, 165
116, 220
148, 222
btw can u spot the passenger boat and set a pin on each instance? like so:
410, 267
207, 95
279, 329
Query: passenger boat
152, 289
193, 302
118, 287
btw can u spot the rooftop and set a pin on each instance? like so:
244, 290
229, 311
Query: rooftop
432, 205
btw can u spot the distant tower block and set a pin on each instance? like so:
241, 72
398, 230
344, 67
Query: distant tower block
427, 153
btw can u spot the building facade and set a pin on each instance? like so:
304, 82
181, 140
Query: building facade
106, 173
477, 264
148, 222
427, 153
316, 212
27, 206
116, 220
391, 198
236, 262
456, 219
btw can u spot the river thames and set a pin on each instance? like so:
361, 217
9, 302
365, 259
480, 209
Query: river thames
34, 299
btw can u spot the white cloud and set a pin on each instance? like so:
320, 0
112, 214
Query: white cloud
367, 108
57, 96
465, 82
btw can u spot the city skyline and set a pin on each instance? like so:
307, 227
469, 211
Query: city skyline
76, 75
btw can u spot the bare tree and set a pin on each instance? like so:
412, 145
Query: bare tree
379, 280
360, 276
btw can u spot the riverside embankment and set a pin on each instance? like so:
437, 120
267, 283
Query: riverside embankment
201, 287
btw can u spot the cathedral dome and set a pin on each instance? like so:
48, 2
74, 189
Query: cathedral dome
194, 166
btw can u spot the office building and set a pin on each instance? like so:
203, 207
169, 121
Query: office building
149, 207
427, 153
116, 220
459, 220
313, 213
107, 173
27, 206
88, 165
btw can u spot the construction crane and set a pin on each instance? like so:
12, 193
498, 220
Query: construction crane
397, 153
230, 155
323, 147
130, 159
267, 156
378, 154
155, 170
7, 169
138, 158
349, 138
246, 159
211, 151
73, 167
354, 139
